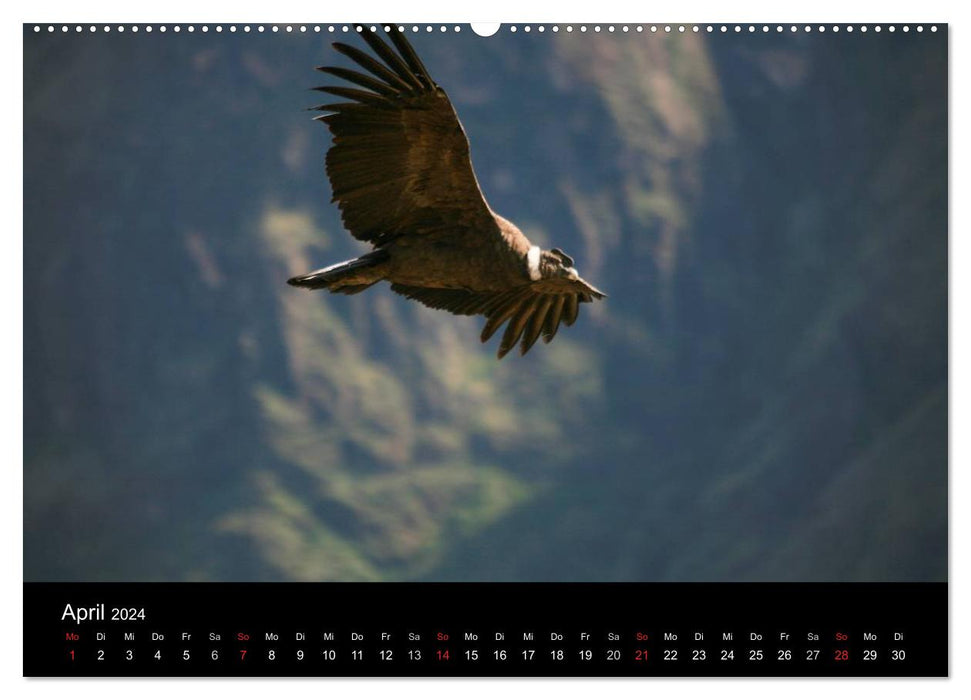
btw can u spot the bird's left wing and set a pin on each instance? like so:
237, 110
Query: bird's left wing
400, 161
532, 310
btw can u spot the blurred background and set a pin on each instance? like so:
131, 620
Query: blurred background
763, 397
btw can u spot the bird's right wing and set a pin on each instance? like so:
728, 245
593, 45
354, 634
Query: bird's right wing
532, 309
400, 161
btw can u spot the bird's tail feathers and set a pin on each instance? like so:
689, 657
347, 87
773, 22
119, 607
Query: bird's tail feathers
348, 277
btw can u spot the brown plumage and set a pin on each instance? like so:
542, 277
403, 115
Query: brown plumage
403, 180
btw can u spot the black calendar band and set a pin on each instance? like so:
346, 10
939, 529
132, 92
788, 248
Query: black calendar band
485, 629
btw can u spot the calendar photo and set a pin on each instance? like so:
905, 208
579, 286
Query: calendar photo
398, 303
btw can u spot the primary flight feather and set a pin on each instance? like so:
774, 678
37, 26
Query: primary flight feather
401, 175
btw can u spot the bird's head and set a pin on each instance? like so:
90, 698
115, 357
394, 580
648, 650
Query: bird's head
556, 263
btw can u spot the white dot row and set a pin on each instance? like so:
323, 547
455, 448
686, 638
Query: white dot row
303, 28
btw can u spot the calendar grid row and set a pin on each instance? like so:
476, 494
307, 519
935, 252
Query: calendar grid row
413, 648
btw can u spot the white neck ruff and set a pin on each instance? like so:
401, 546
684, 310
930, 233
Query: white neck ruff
532, 262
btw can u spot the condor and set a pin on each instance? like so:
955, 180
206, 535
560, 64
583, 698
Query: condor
401, 175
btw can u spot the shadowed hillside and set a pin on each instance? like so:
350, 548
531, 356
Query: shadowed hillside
763, 396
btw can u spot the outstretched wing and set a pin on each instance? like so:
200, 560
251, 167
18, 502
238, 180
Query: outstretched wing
532, 310
400, 161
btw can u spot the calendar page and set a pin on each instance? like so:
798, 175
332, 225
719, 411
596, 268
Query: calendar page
565, 349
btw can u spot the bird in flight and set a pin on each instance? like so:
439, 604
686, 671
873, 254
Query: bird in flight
401, 175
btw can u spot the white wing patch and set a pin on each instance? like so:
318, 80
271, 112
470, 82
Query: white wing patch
330, 267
